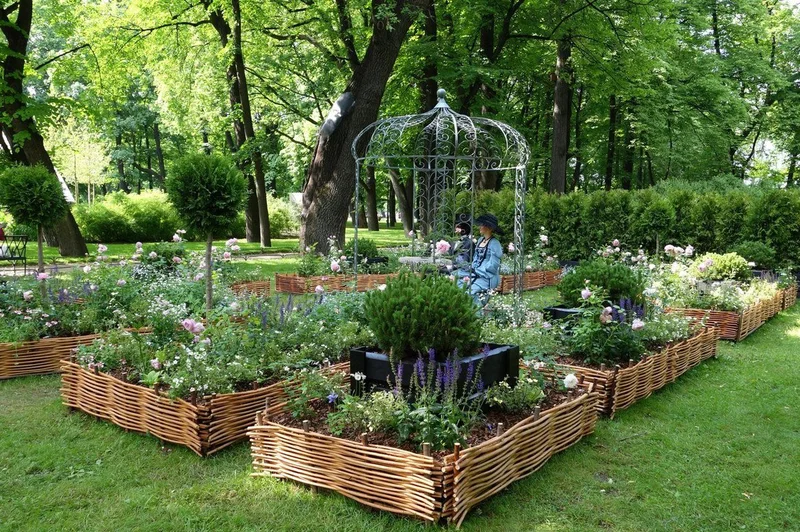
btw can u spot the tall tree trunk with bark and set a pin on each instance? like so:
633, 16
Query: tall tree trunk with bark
792, 168
159, 154
576, 174
123, 184
391, 208
330, 182
21, 125
371, 189
612, 141
404, 193
561, 117
247, 119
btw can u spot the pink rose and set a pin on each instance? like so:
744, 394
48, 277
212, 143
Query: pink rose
586, 293
42, 276
335, 266
637, 325
615, 243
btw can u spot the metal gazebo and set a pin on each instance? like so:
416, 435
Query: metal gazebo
445, 150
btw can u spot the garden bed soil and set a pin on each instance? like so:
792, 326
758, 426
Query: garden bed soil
620, 387
429, 487
530, 281
296, 284
210, 425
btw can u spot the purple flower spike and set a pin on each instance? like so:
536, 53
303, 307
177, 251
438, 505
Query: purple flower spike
470, 371
439, 378
486, 349
421, 371
431, 354
480, 385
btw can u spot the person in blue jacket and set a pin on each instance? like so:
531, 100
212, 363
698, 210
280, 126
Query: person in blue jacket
484, 275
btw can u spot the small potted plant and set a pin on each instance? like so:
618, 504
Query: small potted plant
428, 318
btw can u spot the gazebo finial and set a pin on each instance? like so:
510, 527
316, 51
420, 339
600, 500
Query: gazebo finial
441, 94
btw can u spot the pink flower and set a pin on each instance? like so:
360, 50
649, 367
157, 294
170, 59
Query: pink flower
319, 289
42, 276
138, 246
87, 269
231, 242
702, 267
155, 363
101, 248
177, 260
669, 249
235, 248
335, 266
176, 237
411, 234
586, 293
637, 325
199, 276
458, 230
27, 295
547, 325
226, 255
442, 247
153, 255
615, 243
689, 251
511, 247
466, 279
192, 326
122, 282
605, 316
543, 238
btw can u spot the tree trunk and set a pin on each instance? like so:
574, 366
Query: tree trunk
576, 174
561, 118
330, 182
40, 248
391, 208
612, 140
159, 154
640, 172
792, 167
404, 193
372, 200
123, 184
247, 119
209, 275
627, 157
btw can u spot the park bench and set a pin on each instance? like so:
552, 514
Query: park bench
13, 250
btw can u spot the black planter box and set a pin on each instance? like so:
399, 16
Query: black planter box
560, 313
568, 263
499, 362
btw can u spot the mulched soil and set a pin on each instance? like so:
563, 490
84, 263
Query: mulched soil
486, 430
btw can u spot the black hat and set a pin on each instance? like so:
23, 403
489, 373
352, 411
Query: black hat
488, 220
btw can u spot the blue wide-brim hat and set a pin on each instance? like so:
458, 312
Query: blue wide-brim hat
488, 220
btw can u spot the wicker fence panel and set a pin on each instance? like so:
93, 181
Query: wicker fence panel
552, 277
727, 322
259, 288
789, 297
490, 467
530, 280
295, 284
38, 357
381, 477
132, 407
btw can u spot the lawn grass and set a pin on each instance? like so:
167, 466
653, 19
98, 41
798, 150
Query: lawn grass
718, 450
385, 237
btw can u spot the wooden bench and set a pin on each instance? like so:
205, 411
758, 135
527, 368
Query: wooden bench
13, 250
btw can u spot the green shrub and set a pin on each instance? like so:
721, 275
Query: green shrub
284, 218
716, 267
652, 222
758, 252
366, 248
414, 314
774, 219
617, 280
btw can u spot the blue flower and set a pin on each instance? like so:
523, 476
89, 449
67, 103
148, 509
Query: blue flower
333, 397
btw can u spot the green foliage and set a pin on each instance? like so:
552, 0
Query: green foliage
207, 190
774, 220
716, 267
121, 217
759, 253
304, 387
366, 248
414, 314
528, 391
32, 195
618, 281
284, 220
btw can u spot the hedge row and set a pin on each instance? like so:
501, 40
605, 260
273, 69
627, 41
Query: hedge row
579, 224
150, 217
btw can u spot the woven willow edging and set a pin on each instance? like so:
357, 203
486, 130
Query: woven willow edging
259, 288
621, 387
205, 429
295, 284
38, 357
408, 483
789, 297
530, 280
733, 325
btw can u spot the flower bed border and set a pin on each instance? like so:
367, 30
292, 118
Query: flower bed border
38, 357
530, 280
205, 429
789, 297
403, 482
293, 283
734, 325
620, 387
259, 288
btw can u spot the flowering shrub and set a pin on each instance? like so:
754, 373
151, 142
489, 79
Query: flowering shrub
715, 267
617, 279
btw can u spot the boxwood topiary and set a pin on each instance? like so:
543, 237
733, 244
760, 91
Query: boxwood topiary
414, 314
617, 279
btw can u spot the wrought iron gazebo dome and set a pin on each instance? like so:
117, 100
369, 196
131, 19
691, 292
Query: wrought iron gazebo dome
440, 136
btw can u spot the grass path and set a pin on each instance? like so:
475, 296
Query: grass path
718, 450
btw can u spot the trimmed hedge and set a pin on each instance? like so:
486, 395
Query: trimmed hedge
579, 224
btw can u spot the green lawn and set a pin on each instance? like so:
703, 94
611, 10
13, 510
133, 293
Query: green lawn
385, 237
718, 450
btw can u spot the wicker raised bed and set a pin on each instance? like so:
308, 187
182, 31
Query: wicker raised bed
295, 284
789, 297
408, 483
38, 357
204, 428
259, 288
620, 387
530, 280
733, 325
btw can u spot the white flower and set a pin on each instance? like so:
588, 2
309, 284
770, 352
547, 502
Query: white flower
751, 264
547, 325
411, 234
586, 293
101, 248
570, 381
176, 237
543, 239
87, 269
122, 282
689, 251
319, 289
538, 366
153, 255
177, 260
27, 295
358, 376
235, 248
381, 287
138, 246
637, 325
511, 247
